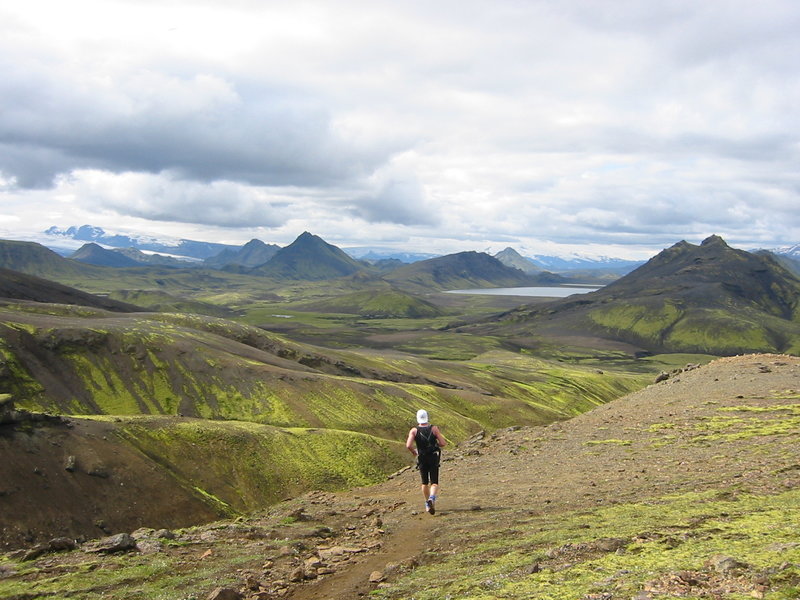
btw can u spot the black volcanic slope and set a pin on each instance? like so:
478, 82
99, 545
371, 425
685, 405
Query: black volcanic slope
95, 254
709, 298
19, 286
253, 254
35, 259
463, 270
309, 258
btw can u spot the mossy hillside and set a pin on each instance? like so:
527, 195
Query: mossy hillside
248, 466
213, 368
129, 576
565, 390
378, 304
14, 377
158, 368
160, 301
704, 330
620, 551
198, 383
647, 323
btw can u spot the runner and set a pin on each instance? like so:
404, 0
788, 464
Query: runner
428, 441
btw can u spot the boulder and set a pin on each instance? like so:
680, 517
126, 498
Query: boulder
724, 564
222, 593
376, 577
61, 544
7, 412
121, 542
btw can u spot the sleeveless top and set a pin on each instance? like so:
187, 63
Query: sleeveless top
427, 443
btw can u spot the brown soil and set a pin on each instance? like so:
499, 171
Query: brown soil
341, 546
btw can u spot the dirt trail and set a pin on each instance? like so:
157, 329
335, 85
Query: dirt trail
599, 458
410, 531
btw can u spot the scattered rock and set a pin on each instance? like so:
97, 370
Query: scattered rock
310, 573
531, 569
221, 593
299, 515
149, 546
610, 544
252, 582
122, 542
6, 571
663, 376
61, 544
99, 471
34, 552
7, 409
70, 464
376, 577
165, 534
724, 564
337, 551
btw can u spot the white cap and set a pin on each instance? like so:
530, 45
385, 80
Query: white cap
422, 416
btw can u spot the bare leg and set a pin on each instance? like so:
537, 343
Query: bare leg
426, 491
434, 490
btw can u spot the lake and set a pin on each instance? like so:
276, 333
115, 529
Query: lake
546, 292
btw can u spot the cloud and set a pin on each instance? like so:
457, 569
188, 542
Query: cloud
161, 197
617, 122
396, 196
199, 127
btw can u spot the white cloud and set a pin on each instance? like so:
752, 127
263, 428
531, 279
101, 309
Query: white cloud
524, 122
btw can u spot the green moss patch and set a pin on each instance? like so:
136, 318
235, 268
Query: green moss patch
243, 466
692, 545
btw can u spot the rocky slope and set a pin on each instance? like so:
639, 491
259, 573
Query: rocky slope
689, 487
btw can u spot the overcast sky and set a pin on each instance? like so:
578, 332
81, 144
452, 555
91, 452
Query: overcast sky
613, 127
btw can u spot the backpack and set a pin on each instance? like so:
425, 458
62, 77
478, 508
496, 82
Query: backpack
427, 444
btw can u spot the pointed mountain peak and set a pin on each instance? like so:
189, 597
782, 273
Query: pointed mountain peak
254, 243
94, 254
511, 258
310, 258
713, 240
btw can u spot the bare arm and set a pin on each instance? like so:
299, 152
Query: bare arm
439, 437
410, 441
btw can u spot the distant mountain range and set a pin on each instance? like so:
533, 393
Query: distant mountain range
185, 252
560, 264
180, 247
709, 299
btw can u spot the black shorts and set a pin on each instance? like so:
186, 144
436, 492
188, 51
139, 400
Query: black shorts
429, 469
